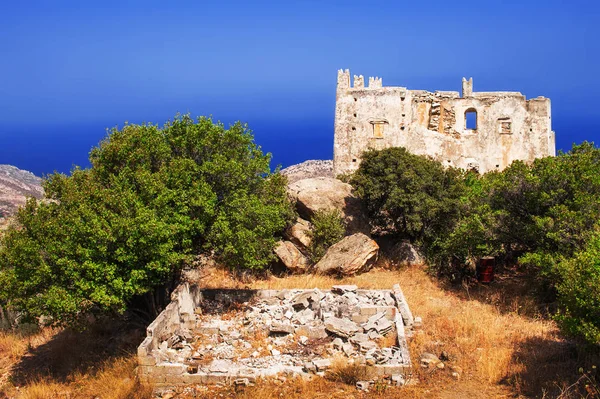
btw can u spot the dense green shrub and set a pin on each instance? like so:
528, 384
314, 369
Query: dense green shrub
153, 198
409, 196
579, 292
327, 229
543, 215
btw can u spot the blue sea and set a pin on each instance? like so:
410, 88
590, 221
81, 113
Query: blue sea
44, 149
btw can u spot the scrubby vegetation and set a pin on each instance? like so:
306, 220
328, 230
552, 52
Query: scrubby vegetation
327, 229
120, 232
407, 195
543, 216
153, 198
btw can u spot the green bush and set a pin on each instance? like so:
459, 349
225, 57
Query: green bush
579, 292
409, 196
152, 199
327, 229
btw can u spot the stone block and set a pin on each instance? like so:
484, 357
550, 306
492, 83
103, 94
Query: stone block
169, 369
367, 310
174, 379
146, 360
197, 378
392, 369
359, 318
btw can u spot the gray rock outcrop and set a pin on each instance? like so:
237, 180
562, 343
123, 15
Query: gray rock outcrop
353, 254
327, 194
16, 186
299, 233
404, 253
309, 169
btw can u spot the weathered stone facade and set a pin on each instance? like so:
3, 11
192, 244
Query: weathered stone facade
484, 131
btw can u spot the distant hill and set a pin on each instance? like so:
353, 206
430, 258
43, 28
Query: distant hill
16, 186
309, 169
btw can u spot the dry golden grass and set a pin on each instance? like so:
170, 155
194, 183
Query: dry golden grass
499, 343
494, 336
54, 363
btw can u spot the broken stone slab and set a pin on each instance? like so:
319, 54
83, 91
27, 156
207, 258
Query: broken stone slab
304, 316
398, 380
429, 359
312, 332
363, 385
343, 289
353, 254
358, 338
322, 364
341, 327
367, 346
244, 382
402, 305
310, 367
291, 257
384, 326
337, 343
281, 328
305, 299
348, 349
220, 366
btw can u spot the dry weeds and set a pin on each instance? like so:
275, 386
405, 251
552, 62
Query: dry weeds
500, 346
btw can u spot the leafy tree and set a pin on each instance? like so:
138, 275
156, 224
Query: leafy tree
327, 229
152, 199
407, 195
579, 292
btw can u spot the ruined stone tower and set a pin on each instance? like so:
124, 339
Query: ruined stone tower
476, 130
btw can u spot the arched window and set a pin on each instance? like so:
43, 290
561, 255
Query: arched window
471, 119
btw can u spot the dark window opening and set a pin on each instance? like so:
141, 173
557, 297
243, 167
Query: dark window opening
401, 127
353, 128
355, 115
471, 119
355, 99
354, 160
403, 115
401, 98
497, 166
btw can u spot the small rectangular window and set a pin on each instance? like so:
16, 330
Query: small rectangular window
505, 126
378, 127
378, 130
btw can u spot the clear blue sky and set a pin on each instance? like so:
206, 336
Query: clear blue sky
70, 69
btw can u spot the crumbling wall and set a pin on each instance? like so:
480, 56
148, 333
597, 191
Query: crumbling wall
313, 317
509, 127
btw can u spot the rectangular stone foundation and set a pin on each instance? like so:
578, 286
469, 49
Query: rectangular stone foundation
181, 313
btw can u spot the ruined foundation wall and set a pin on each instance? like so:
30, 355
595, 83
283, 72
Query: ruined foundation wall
508, 126
180, 317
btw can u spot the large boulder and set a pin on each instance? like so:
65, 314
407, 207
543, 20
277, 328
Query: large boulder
299, 233
403, 253
291, 257
326, 194
353, 254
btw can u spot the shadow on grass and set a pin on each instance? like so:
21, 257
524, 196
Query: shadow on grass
552, 368
513, 291
70, 353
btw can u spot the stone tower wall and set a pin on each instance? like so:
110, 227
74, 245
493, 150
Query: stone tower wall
508, 126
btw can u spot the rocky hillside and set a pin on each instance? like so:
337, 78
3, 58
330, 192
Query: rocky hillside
309, 169
16, 186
